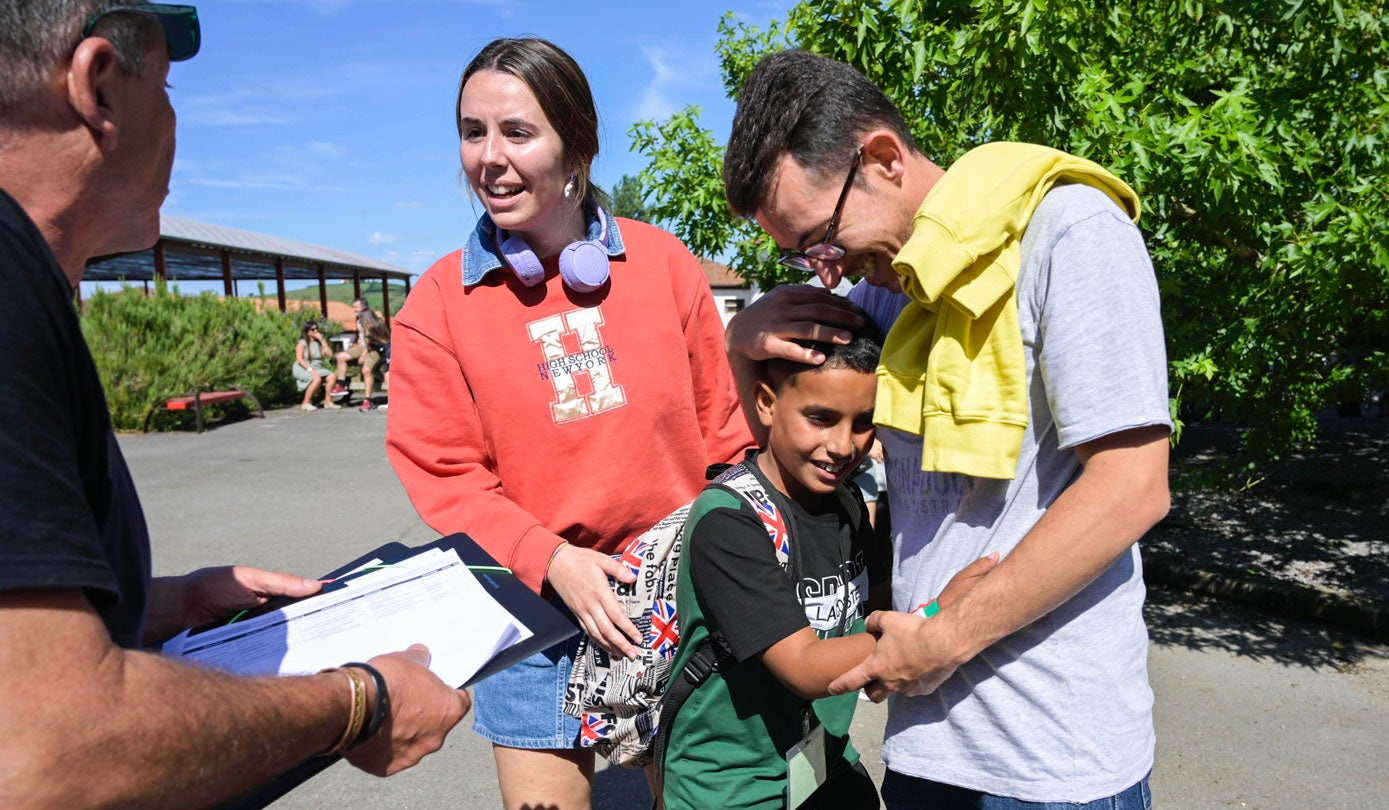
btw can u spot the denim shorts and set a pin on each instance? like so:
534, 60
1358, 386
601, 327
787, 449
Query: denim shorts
901, 791
523, 706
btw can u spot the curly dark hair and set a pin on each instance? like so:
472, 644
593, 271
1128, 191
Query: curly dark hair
860, 354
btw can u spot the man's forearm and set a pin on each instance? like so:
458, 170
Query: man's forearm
90, 724
154, 733
1096, 520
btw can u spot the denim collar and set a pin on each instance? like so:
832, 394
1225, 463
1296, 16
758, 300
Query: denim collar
482, 254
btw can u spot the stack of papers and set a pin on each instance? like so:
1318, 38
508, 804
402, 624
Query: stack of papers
430, 598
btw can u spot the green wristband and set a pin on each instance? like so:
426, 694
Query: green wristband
928, 610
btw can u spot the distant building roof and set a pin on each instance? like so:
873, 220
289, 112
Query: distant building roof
209, 235
193, 251
719, 275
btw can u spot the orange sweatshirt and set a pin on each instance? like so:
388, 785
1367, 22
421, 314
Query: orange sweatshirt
528, 416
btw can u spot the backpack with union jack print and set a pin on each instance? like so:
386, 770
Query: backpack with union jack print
619, 702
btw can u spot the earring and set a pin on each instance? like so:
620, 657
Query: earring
571, 185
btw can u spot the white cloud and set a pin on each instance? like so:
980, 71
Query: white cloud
326, 149
280, 182
673, 74
287, 167
379, 238
332, 7
210, 117
310, 156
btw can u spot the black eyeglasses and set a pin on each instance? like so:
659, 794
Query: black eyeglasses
824, 250
180, 23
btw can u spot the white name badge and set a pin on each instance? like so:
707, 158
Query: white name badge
805, 767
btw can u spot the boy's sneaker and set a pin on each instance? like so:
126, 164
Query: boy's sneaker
332, 406
340, 391
368, 405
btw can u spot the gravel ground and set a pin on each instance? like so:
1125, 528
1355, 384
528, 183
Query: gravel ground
1319, 519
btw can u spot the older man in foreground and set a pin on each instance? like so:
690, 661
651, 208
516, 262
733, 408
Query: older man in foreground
86, 149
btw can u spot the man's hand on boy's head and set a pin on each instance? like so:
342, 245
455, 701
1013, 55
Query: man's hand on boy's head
767, 327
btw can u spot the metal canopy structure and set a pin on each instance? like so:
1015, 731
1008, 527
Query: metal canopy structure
188, 250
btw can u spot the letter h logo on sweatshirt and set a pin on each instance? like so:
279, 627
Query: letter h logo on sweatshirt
577, 364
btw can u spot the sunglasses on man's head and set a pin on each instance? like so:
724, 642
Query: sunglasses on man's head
180, 24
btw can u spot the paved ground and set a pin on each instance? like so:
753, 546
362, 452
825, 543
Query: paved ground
1251, 712
1311, 540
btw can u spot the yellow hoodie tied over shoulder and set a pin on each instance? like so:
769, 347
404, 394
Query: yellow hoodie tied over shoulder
952, 368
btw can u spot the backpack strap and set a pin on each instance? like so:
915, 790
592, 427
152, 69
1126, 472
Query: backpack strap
709, 657
741, 481
714, 653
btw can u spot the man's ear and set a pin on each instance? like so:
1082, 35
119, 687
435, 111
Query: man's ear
884, 155
766, 403
92, 79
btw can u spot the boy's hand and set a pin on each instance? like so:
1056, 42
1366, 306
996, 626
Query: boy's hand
909, 657
965, 579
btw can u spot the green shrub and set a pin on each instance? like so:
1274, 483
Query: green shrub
150, 348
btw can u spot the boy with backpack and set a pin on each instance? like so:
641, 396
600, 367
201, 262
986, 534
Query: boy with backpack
775, 585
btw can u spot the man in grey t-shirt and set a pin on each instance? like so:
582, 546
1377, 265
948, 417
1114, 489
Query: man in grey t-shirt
1034, 687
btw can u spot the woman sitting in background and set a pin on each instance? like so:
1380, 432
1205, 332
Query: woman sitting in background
308, 368
377, 335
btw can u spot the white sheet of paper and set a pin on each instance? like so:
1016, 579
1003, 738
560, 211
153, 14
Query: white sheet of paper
430, 599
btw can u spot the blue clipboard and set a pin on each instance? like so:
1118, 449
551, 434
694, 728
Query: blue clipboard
547, 625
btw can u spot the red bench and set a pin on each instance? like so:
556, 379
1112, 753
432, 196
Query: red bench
197, 400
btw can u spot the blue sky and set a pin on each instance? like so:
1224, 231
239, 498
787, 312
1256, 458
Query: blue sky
331, 121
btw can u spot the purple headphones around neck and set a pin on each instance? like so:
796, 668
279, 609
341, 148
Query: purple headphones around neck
583, 265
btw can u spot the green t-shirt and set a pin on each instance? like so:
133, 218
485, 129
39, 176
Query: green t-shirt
728, 743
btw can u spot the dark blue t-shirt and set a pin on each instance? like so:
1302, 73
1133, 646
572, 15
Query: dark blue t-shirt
70, 513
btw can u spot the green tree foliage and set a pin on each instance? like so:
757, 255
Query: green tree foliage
629, 200
1252, 129
150, 348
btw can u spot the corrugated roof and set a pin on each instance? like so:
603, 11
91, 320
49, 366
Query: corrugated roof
205, 234
192, 252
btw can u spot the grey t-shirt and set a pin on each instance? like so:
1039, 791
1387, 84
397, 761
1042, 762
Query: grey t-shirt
1060, 710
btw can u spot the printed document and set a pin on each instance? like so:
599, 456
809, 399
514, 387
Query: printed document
430, 598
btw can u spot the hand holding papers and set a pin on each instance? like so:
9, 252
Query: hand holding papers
475, 617
430, 599
390, 599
